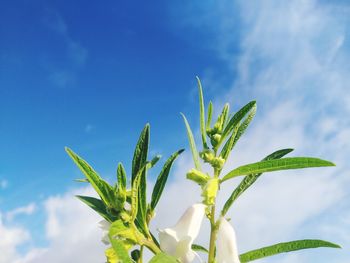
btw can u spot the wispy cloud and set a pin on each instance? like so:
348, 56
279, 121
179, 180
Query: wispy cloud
293, 60
76, 55
23, 210
3, 184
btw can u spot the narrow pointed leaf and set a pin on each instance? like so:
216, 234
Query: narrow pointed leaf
225, 152
199, 248
121, 177
142, 192
242, 128
97, 205
135, 195
163, 258
209, 115
250, 179
277, 165
192, 144
84, 180
202, 114
285, 247
236, 119
104, 190
141, 151
162, 179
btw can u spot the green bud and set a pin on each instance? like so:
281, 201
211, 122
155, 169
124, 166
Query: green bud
218, 162
197, 176
210, 191
217, 126
207, 155
125, 216
215, 139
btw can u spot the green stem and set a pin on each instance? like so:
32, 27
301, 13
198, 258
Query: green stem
213, 232
152, 246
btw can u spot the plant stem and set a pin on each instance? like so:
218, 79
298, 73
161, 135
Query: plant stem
152, 246
213, 232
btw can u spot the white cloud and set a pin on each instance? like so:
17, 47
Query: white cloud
293, 61
11, 238
26, 210
71, 230
76, 55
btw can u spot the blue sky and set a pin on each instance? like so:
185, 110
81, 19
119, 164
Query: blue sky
90, 75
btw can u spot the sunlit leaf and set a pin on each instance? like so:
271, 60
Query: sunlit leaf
277, 165
199, 248
121, 177
142, 192
202, 114
84, 180
192, 144
121, 253
209, 115
285, 247
250, 179
236, 119
162, 179
104, 190
141, 152
97, 205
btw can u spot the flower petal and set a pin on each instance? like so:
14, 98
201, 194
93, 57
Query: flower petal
177, 241
226, 246
168, 241
190, 222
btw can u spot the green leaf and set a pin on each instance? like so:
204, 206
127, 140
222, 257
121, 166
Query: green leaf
162, 179
141, 152
285, 247
225, 152
250, 179
202, 114
236, 119
124, 232
277, 165
120, 251
104, 190
192, 144
83, 180
142, 192
135, 195
121, 176
237, 133
199, 248
209, 116
97, 205
163, 258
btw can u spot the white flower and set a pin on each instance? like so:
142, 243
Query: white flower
104, 225
226, 247
177, 241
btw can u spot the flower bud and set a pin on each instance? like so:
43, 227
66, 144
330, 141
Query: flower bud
215, 139
210, 190
218, 162
125, 216
197, 176
207, 155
